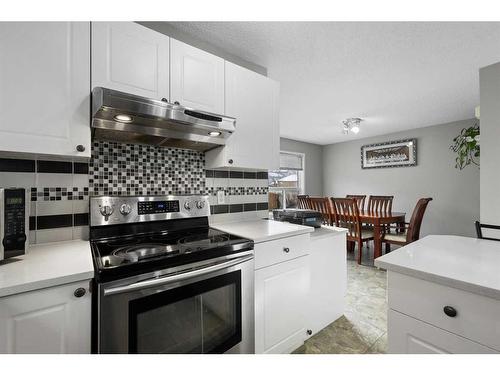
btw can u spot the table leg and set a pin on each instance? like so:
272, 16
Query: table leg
377, 251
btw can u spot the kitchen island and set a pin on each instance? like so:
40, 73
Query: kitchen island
439, 289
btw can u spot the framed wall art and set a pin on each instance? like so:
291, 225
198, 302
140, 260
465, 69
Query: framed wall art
402, 153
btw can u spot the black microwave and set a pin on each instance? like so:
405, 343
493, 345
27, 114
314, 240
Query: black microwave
14, 222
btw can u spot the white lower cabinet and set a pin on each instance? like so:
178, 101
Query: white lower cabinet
51, 320
281, 292
427, 317
408, 335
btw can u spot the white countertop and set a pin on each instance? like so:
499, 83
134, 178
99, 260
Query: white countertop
327, 231
262, 230
460, 262
45, 266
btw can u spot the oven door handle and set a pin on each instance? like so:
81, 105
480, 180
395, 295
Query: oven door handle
177, 277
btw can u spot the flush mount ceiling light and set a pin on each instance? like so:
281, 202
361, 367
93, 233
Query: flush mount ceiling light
214, 134
351, 125
123, 118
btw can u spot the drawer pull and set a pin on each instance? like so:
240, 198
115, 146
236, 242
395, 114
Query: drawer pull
450, 311
286, 249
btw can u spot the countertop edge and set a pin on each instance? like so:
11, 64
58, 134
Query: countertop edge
298, 232
452, 283
45, 283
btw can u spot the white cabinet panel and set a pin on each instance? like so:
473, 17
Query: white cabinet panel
44, 87
49, 320
196, 78
131, 58
253, 100
280, 306
408, 335
282, 250
328, 281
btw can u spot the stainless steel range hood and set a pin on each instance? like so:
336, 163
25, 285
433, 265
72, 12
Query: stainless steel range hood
127, 118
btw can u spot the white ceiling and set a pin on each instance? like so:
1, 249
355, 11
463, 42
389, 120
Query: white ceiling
395, 76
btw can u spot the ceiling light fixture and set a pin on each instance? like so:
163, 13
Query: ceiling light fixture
351, 125
123, 118
214, 134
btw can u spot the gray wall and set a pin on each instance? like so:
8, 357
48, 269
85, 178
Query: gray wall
456, 193
168, 28
313, 163
489, 81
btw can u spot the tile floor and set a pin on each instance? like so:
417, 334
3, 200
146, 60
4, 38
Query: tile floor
363, 328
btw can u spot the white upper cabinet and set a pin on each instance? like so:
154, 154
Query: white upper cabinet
196, 78
44, 88
131, 58
253, 100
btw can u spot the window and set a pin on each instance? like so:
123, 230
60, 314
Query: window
287, 182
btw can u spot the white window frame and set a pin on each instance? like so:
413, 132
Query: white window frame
301, 173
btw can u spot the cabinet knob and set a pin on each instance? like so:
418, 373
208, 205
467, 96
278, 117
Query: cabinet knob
450, 311
230, 161
309, 332
164, 100
80, 148
286, 249
177, 103
79, 292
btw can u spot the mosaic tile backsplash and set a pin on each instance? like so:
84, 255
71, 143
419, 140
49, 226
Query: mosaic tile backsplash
59, 190
126, 169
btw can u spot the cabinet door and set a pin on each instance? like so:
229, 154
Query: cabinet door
253, 100
407, 335
48, 320
196, 78
281, 306
131, 58
44, 87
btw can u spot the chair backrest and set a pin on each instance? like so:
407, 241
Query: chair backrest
360, 200
413, 232
479, 230
321, 204
380, 204
347, 215
302, 201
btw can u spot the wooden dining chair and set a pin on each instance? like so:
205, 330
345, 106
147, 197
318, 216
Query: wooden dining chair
322, 205
479, 230
302, 202
360, 200
411, 230
381, 204
347, 216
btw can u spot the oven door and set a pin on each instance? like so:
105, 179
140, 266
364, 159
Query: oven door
198, 308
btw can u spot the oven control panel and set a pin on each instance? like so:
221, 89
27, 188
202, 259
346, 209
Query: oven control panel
157, 207
107, 210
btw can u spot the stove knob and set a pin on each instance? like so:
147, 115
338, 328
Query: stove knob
200, 205
187, 205
106, 211
125, 209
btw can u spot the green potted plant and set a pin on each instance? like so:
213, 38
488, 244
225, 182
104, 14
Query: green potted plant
466, 146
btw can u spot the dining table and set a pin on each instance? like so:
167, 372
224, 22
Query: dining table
378, 220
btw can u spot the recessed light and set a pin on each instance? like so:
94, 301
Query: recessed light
355, 129
123, 118
214, 134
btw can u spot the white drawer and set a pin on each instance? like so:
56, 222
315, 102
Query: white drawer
477, 316
408, 335
276, 251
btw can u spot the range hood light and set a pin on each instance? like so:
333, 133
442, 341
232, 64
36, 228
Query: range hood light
355, 129
214, 134
123, 118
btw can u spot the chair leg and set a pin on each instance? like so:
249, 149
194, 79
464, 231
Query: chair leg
387, 247
360, 250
